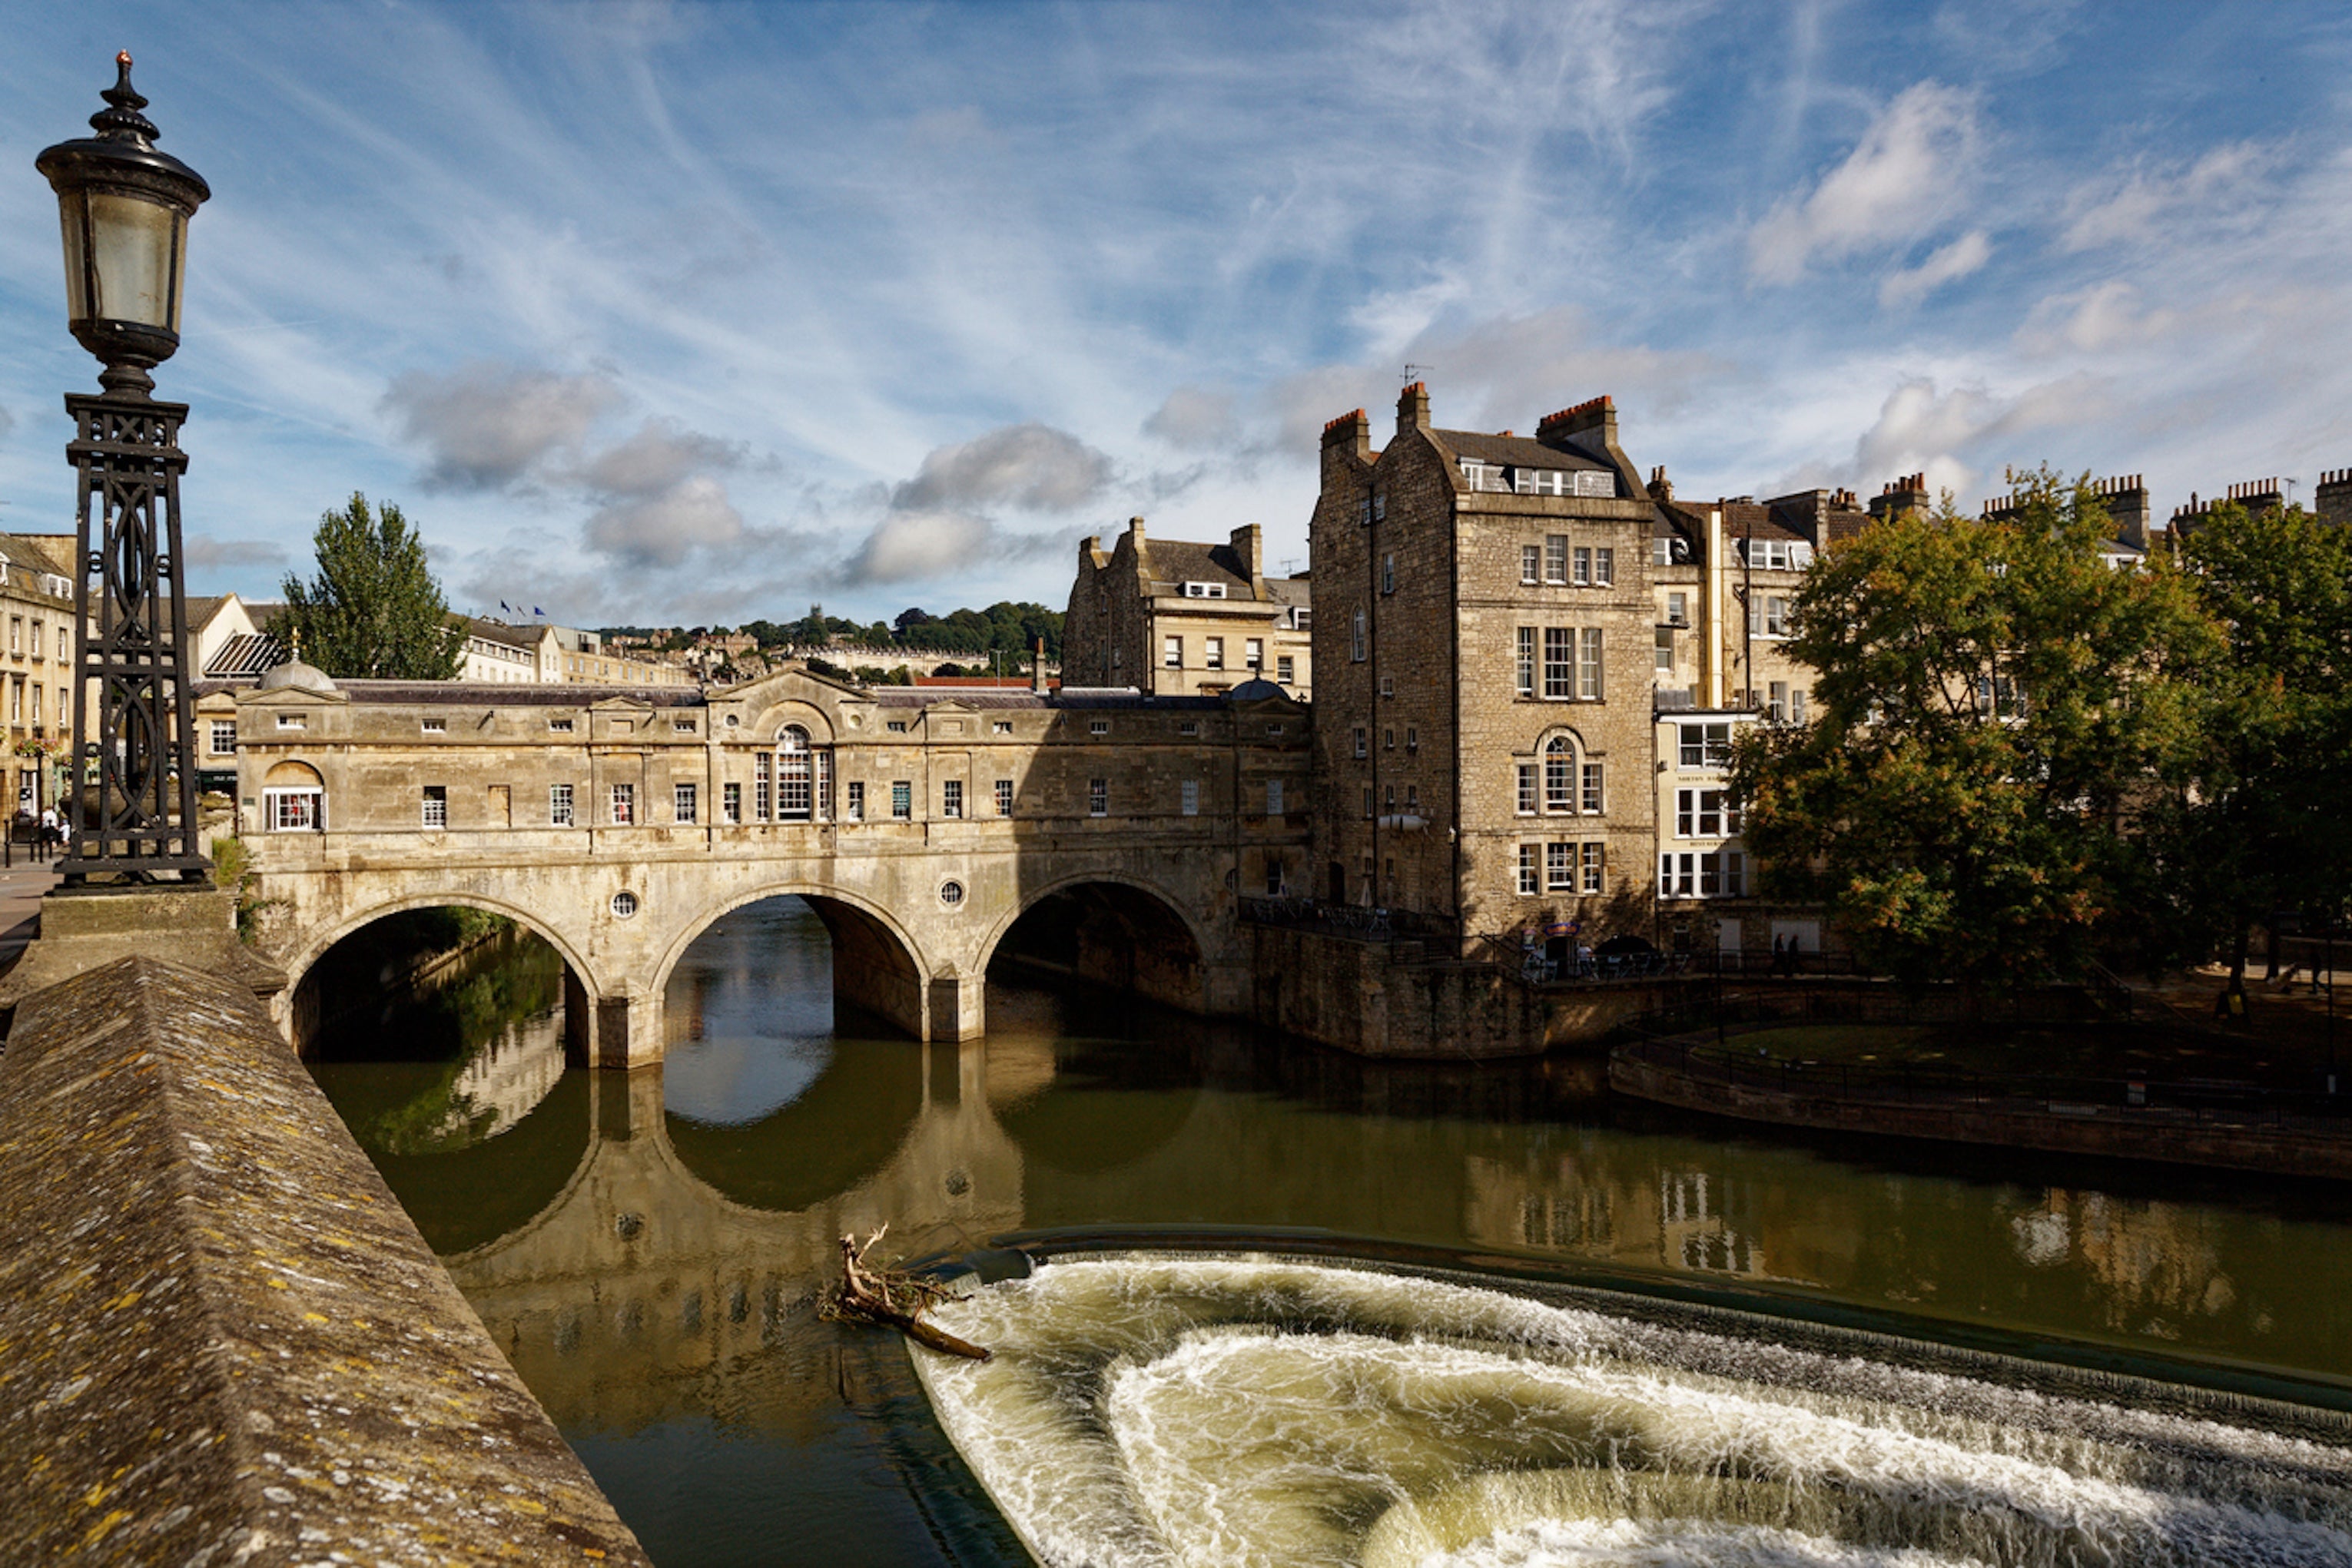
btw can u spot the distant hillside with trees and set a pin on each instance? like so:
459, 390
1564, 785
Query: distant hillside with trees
1004, 627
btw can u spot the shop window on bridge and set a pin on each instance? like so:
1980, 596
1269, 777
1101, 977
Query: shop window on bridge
294, 800
730, 802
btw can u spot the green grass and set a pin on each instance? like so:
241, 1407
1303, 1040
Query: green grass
2137, 1049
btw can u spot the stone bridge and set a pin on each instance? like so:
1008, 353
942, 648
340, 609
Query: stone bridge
1104, 833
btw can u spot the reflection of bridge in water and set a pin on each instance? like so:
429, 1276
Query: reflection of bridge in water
675, 1246
639, 1267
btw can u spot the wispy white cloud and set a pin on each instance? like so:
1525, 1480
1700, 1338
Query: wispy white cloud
1900, 179
1953, 262
2108, 212
2095, 320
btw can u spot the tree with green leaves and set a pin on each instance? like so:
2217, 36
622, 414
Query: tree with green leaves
2261, 832
1993, 703
374, 609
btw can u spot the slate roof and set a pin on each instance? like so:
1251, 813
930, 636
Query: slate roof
1188, 561
502, 632
514, 694
1515, 451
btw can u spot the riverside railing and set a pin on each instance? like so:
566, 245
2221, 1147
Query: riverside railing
2201, 1102
1363, 922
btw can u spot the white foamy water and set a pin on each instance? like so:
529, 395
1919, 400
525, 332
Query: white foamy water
1218, 1411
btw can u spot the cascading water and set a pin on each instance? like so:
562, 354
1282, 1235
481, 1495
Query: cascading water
1155, 1410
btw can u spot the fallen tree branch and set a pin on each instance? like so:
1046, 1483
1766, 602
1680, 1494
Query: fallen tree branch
891, 1296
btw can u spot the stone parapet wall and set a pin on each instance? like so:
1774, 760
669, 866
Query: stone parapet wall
221, 1341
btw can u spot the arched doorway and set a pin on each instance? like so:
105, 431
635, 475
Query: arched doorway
1105, 933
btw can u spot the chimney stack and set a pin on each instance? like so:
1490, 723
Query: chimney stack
1038, 670
1350, 430
1590, 426
1412, 408
1248, 542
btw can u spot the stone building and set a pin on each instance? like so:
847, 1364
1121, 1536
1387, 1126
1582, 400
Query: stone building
36, 596
2125, 500
1483, 691
1178, 618
1726, 576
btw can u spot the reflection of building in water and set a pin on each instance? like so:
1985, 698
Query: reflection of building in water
2152, 1260
644, 1293
505, 1079
1643, 1217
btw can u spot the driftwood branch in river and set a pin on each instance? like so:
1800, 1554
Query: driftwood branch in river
891, 1296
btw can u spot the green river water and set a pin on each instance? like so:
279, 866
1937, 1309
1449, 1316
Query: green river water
647, 1251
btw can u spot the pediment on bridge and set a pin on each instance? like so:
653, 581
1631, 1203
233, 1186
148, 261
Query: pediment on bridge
621, 705
759, 708
290, 697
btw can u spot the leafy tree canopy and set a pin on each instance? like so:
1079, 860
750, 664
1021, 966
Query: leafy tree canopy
1992, 701
2263, 833
374, 609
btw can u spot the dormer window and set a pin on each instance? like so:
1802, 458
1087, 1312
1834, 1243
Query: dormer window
1204, 590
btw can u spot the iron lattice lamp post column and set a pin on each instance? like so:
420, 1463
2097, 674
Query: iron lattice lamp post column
124, 210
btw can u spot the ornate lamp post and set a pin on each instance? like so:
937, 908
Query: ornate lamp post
124, 209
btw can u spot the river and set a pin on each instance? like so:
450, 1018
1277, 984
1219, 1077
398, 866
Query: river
648, 1253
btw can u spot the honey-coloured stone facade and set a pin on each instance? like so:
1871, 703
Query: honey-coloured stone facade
1484, 630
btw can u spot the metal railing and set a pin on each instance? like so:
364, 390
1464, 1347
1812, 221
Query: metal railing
1361, 921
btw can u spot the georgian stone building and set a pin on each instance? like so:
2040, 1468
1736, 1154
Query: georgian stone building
37, 597
1177, 618
1483, 641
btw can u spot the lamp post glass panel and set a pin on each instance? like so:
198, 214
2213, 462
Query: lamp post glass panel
123, 208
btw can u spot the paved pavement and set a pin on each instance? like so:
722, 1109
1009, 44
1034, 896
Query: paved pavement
21, 887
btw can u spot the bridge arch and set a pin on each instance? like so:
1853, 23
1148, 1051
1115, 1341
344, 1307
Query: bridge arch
583, 982
299, 963
877, 965
1144, 914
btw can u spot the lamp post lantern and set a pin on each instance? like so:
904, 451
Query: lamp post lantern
123, 208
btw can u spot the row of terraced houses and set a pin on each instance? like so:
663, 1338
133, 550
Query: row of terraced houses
1527, 665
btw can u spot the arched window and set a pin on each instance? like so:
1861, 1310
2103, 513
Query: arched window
1559, 775
793, 770
804, 777
293, 799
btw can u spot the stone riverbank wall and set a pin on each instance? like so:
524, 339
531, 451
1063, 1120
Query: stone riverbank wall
1689, 1077
1380, 997
221, 1341
1389, 995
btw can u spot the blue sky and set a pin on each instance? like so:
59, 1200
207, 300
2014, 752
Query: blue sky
702, 312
